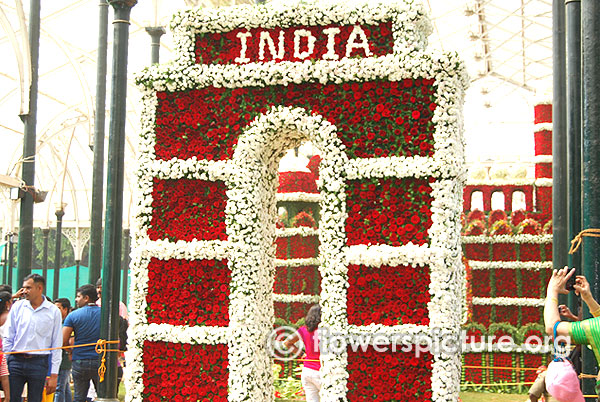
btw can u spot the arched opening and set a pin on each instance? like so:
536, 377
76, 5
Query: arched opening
497, 200
518, 200
477, 200
255, 260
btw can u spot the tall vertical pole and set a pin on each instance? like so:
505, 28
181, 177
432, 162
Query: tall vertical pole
60, 212
25, 249
155, 34
5, 264
590, 32
77, 265
10, 259
111, 261
573, 50
45, 235
126, 260
95, 258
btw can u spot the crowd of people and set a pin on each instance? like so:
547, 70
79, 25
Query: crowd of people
45, 342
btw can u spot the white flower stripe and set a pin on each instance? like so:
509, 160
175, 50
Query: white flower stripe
508, 301
300, 231
509, 239
507, 348
299, 197
378, 255
533, 265
299, 298
188, 250
297, 262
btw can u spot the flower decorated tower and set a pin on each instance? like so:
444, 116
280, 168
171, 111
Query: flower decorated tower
248, 83
510, 253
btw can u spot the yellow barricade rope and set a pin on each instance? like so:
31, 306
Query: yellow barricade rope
576, 242
100, 347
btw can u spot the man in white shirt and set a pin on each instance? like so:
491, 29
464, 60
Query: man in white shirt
33, 323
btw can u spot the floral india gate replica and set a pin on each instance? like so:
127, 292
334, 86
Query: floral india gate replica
248, 83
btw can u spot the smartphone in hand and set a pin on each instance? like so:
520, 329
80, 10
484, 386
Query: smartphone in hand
570, 285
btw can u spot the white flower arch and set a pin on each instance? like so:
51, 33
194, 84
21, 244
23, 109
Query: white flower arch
252, 188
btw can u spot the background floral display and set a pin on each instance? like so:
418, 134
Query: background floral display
385, 115
510, 252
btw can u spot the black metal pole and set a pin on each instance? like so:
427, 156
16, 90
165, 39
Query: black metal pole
59, 215
560, 242
10, 260
77, 265
45, 235
111, 261
5, 263
126, 260
95, 258
590, 32
573, 49
25, 249
155, 34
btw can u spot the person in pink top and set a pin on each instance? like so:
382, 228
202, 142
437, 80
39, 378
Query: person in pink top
5, 303
311, 378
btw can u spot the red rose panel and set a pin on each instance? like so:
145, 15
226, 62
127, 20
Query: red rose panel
188, 292
373, 119
297, 280
289, 313
187, 209
388, 376
388, 211
184, 373
388, 295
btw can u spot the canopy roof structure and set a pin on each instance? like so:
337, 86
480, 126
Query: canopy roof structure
506, 45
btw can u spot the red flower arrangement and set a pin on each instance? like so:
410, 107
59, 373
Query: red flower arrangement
388, 295
508, 314
532, 361
224, 48
476, 215
503, 360
388, 211
184, 373
529, 226
388, 376
517, 217
475, 227
313, 165
481, 284
532, 279
188, 292
482, 314
505, 282
471, 375
495, 216
477, 252
304, 219
390, 118
298, 280
297, 182
289, 313
303, 246
530, 314
188, 209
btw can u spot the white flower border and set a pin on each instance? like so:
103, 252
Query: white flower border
514, 239
249, 248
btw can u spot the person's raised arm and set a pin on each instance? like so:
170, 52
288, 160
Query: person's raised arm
556, 286
582, 288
